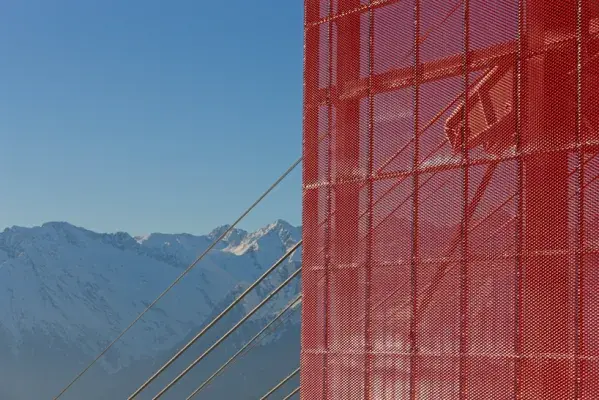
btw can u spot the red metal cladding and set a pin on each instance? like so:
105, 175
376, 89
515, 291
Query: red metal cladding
451, 197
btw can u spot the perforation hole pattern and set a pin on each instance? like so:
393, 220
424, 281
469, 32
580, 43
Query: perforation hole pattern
451, 200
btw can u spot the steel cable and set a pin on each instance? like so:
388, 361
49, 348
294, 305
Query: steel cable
214, 321
290, 395
246, 346
182, 275
229, 333
280, 384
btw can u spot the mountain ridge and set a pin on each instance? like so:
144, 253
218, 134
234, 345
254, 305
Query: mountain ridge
67, 286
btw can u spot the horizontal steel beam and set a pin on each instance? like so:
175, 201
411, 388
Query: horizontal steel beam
444, 68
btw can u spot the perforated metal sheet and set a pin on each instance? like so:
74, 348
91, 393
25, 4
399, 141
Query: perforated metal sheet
451, 200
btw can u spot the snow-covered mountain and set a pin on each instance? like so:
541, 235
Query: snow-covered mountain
66, 292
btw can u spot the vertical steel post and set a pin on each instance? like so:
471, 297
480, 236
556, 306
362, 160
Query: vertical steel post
348, 176
311, 201
546, 125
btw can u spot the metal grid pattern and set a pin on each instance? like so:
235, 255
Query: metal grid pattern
451, 197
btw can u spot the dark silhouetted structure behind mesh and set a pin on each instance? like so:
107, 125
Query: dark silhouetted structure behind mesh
451, 200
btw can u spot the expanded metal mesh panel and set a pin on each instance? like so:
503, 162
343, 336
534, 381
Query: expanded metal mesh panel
451, 199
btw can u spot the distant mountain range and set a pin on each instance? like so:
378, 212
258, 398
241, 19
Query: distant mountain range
66, 292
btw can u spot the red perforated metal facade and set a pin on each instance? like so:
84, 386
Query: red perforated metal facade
451, 200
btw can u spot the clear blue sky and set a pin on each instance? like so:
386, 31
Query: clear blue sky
123, 114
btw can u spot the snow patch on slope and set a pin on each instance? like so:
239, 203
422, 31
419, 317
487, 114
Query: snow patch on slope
74, 286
